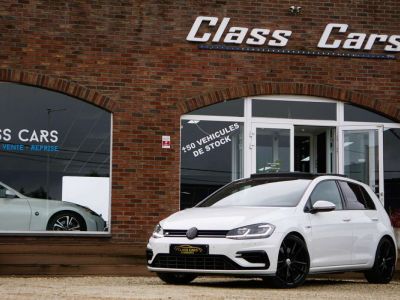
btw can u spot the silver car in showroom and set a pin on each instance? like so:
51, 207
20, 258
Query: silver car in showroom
22, 213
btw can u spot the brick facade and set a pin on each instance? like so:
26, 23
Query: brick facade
132, 59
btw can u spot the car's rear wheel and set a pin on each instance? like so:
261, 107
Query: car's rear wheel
176, 278
293, 264
384, 265
66, 221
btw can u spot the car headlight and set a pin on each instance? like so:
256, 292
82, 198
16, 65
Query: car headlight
158, 232
255, 231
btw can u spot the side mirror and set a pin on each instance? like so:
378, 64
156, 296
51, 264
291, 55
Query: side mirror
322, 205
10, 194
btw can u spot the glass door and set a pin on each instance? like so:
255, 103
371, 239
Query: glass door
271, 148
361, 155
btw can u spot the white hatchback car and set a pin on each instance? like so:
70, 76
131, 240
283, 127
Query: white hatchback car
281, 227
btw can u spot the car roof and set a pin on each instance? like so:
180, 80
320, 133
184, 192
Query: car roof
292, 175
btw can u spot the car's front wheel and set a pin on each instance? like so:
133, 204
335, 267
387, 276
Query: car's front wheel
176, 278
66, 221
293, 264
384, 264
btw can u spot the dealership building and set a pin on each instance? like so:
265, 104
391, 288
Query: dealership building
116, 114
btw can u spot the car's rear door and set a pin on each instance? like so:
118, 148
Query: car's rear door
364, 219
331, 232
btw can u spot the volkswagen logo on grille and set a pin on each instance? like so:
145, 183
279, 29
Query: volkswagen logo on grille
191, 233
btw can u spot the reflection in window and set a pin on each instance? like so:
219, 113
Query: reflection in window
211, 156
327, 191
272, 150
54, 147
257, 193
391, 150
353, 194
361, 156
358, 114
356, 197
294, 110
2, 192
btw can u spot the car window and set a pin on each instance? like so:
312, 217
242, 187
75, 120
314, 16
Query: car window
328, 191
369, 203
354, 196
2, 192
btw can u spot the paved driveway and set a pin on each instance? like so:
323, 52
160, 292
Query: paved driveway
202, 288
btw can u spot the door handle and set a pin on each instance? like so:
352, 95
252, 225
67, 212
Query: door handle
375, 219
346, 220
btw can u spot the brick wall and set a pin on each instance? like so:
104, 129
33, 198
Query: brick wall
132, 58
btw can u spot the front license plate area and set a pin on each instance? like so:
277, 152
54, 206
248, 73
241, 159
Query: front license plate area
185, 249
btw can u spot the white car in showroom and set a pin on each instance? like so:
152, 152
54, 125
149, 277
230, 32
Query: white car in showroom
281, 227
21, 213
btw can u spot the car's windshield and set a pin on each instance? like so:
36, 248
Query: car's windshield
263, 193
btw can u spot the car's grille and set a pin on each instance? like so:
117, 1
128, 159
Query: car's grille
198, 262
200, 233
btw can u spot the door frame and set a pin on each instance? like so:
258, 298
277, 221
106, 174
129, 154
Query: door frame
340, 151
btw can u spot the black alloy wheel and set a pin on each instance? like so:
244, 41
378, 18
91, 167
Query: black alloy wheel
293, 263
384, 265
176, 278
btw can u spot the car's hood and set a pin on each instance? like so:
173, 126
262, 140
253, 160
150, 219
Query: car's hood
224, 218
50, 203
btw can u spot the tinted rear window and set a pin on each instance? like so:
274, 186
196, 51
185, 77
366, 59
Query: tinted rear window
369, 203
356, 197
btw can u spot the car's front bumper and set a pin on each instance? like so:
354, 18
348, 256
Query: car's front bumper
219, 249
94, 223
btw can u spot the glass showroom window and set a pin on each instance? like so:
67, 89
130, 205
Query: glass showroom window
391, 146
281, 133
294, 110
55, 162
211, 156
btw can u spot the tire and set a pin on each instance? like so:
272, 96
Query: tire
176, 278
384, 264
293, 264
66, 221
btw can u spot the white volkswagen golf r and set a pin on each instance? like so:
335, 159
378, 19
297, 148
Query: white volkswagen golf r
280, 227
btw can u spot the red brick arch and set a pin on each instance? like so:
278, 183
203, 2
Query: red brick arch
286, 88
58, 85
